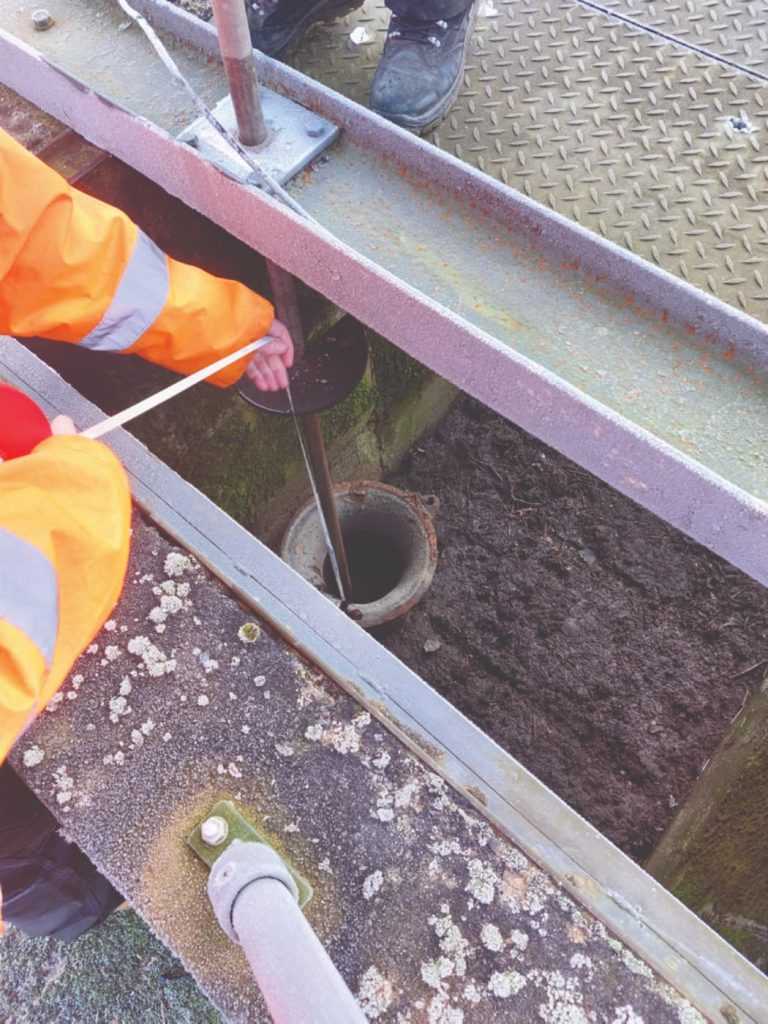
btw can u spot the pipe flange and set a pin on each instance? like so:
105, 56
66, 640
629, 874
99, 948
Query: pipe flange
371, 509
239, 866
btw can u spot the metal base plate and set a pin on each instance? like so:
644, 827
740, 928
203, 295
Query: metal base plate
296, 137
242, 828
329, 370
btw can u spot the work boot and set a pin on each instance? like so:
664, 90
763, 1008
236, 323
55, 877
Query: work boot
277, 25
421, 70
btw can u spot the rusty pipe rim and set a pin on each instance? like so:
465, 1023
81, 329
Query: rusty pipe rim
402, 520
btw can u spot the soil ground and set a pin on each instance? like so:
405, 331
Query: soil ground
602, 648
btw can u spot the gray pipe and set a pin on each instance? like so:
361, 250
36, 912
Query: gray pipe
255, 900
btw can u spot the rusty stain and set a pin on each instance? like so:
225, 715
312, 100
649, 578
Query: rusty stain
730, 1014
477, 794
421, 744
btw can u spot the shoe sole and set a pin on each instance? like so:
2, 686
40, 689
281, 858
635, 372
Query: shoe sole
328, 17
433, 117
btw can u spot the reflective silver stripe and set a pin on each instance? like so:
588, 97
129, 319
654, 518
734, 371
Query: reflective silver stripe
29, 592
138, 300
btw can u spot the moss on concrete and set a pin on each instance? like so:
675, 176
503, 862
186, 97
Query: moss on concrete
352, 413
713, 856
116, 972
247, 461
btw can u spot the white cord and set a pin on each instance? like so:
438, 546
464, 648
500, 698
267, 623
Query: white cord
99, 429
326, 532
265, 178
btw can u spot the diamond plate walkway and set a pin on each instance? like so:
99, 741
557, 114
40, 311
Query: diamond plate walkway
655, 146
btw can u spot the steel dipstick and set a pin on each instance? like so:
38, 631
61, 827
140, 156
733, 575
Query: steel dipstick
235, 43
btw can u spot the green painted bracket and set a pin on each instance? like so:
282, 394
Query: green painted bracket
240, 827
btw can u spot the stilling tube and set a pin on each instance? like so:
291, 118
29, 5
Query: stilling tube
310, 424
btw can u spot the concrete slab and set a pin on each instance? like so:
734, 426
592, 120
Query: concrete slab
186, 698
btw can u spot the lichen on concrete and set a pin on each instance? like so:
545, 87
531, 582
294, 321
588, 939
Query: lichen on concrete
431, 916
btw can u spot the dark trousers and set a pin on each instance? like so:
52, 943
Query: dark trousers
49, 886
429, 10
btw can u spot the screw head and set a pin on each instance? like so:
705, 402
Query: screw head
41, 19
214, 830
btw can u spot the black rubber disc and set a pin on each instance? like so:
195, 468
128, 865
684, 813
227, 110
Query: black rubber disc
329, 370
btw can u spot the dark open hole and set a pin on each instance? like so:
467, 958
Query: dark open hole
375, 565
739, 124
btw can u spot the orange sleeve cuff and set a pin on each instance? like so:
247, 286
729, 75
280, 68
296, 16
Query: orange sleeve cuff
204, 319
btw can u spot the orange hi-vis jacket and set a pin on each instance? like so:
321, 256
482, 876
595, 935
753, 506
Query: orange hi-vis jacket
75, 269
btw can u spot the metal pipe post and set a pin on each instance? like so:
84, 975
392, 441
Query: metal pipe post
287, 309
235, 43
237, 53
255, 900
310, 424
287, 305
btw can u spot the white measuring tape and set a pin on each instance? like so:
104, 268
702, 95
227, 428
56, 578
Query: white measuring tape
326, 532
121, 418
99, 429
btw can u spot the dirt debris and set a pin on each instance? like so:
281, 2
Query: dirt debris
602, 648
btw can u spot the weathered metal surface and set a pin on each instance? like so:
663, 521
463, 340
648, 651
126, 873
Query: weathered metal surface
621, 130
96, 42
644, 380
426, 912
666, 936
731, 30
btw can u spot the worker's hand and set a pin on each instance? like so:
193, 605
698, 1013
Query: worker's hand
268, 367
62, 425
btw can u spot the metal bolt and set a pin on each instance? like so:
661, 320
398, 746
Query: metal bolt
42, 19
315, 129
214, 830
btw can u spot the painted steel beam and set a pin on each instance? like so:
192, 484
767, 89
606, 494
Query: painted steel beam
389, 272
